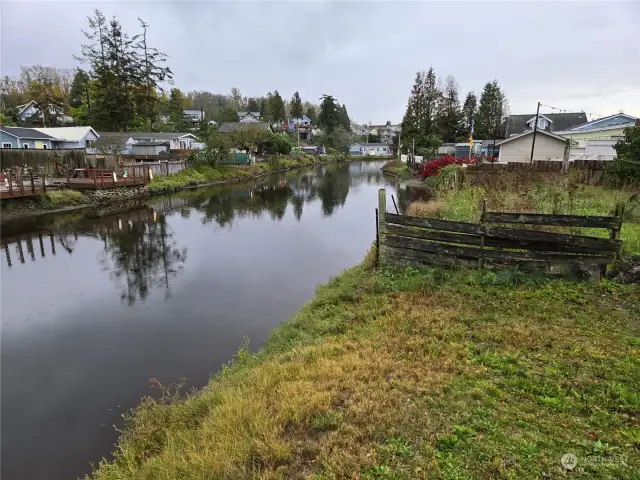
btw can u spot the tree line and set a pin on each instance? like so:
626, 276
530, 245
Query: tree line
434, 113
121, 87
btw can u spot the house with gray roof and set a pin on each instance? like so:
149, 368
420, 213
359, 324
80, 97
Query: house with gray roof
550, 122
18, 137
248, 117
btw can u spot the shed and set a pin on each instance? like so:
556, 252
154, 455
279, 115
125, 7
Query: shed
548, 146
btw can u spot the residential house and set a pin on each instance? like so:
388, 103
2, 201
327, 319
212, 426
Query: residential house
385, 133
548, 146
18, 137
229, 127
194, 114
597, 138
174, 141
360, 130
248, 117
371, 149
550, 122
71, 137
300, 125
462, 149
31, 110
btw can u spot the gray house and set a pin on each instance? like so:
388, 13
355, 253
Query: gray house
18, 137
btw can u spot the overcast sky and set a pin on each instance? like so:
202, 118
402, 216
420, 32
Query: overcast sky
571, 55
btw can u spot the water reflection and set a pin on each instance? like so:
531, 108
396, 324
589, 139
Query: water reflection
140, 253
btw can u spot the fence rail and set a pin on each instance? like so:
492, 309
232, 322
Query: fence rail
417, 241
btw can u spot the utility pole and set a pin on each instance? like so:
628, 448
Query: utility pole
535, 130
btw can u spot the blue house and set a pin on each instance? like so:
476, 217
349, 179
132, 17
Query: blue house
18, 137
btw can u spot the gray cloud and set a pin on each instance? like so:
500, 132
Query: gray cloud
573, 55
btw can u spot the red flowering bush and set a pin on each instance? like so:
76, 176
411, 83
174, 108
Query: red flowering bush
432, 168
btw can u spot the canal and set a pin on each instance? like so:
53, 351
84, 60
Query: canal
93, 308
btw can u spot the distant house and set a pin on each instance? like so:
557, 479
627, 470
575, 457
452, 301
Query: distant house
18, 137
229, 127
194, 114
248, 117
596, 139
174, 141
385, 133
71, 137
550, 122
372, 149
549, 146
300, 125
31, 110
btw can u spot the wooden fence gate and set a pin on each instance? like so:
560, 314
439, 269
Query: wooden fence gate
417, 241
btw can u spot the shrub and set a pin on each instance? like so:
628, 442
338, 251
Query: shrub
432, 168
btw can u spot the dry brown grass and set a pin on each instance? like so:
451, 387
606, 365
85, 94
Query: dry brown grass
431, 208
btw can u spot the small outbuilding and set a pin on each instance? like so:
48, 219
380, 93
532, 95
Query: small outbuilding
548, 146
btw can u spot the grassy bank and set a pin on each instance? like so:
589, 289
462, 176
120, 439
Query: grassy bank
405, 374
397, 169
205, 174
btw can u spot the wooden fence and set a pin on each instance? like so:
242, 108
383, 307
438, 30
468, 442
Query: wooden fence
417, 241
36, 158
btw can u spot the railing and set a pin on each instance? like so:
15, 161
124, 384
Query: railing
417, 241
20, 182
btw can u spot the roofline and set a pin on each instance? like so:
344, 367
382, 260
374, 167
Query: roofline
28, 138
601, 129
541, 115
523, 134
604, 118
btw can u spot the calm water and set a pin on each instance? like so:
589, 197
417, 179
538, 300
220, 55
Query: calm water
93, 309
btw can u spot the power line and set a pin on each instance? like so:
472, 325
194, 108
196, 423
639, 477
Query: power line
564, 110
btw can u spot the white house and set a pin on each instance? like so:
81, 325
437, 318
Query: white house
372, 149
71, 137
548, 146
248, 117
194, 114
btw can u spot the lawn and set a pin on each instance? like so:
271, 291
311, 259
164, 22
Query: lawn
406, 374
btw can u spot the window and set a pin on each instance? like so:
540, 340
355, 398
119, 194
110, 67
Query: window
6, 145
25, 145
44, 146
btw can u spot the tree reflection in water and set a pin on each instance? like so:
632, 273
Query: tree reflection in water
329, 184
139, 251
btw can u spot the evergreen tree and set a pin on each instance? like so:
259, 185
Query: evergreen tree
276, 107
152, 73
311, 113
411, 123
469, 110
265, 109
449, 113
430, 96
79, 89
490, 111
329, 114
296, 106
343, 118
252, 105
177, 118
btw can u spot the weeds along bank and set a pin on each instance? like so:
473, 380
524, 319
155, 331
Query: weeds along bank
538, 193
206, 174
405, 374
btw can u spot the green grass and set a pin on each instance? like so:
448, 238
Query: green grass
62, 198
404, 374
398, 169
205, 174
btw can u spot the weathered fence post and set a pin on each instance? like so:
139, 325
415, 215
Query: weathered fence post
44, 181
482, 231
95, 171
33, 186
102, 177
614, 234
382, 213
10, 183
68, 181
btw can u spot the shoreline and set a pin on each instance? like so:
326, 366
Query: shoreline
378, 373
11, 216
